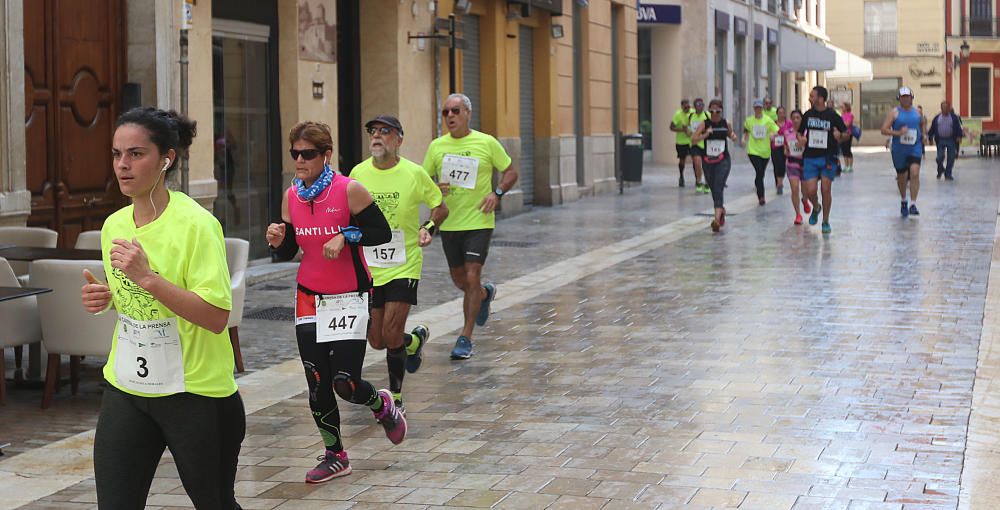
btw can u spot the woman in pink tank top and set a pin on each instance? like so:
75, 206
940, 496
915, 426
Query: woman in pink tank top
329, 217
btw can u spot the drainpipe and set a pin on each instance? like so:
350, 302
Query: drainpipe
185, 167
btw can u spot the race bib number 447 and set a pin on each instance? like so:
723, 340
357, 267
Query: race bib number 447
341, 317
460, 171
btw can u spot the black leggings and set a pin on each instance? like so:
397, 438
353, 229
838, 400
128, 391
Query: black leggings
332, 368
204, 436
778, 158
716, 175
759, 167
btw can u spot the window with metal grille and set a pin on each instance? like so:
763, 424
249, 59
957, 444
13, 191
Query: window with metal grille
880, 28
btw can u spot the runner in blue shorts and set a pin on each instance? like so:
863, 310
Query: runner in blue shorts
821, 133
906, 126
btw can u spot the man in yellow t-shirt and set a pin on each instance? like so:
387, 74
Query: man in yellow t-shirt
770, 111
697, 149
462, 161
758, 130
398, 186
679, 125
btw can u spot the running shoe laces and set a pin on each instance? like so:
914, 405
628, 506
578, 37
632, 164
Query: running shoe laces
390, 418
332, 465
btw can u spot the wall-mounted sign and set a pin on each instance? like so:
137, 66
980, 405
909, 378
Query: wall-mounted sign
772, 37
187, 14
928, 47
656, 13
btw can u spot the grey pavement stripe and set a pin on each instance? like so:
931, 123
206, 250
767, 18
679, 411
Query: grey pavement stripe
43, 471
981, 466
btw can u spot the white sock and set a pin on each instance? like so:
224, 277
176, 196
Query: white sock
913, 203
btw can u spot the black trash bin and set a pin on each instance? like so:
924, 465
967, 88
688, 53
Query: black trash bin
631, 157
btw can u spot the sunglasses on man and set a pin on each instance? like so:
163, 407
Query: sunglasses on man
383, 130
455, 110
307, 154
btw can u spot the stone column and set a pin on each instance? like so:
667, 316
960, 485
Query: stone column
15, 199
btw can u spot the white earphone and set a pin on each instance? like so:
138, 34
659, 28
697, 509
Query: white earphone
166, 165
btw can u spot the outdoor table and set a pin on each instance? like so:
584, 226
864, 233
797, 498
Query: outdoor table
8, 293
32, 253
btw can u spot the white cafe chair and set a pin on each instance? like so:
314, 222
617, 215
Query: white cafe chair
237, 257
34, 237
89, 240
20, 322
67, 328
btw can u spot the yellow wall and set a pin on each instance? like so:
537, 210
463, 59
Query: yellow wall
295, 85
200, 108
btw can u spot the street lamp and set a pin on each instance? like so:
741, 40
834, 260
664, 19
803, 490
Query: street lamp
964, 51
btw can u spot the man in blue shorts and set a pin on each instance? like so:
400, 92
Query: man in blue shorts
906, 126
821, 133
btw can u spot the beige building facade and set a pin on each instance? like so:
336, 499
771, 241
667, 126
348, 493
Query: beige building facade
905, 43
553, 80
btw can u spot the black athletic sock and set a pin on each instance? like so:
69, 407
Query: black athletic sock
396, 361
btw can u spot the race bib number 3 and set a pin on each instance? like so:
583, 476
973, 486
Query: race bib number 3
341, 317
390, 254
818, 139
460, 171
713, 148
908, 138
148, 356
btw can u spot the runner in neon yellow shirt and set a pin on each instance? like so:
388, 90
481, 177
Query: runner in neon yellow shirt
759, 129
770, 111
462, 161
170, 369
399, 186
679, 125
695, 119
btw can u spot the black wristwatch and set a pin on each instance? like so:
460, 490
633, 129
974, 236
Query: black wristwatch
499, 192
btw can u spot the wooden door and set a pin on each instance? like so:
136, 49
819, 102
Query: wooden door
74, 55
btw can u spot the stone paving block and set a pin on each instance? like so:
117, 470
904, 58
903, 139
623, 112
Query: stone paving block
718, 498
477, 498
765, 501
578, 503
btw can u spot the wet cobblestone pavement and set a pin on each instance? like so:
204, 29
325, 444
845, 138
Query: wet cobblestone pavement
767, 367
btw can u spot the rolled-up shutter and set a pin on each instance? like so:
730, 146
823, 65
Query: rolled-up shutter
470, 66
527, 82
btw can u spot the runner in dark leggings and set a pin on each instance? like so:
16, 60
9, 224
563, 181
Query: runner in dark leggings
715, 132
324, 213
170, 370
778, 150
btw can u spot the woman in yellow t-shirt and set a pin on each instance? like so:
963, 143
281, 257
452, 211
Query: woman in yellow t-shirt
170, 370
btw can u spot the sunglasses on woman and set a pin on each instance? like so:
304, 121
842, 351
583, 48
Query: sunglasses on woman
454, 110
715, 111
307, 154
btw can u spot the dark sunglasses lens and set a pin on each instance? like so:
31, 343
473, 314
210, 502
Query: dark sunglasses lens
453, 111
307, 154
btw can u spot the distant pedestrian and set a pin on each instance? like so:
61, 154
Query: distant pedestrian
946, 132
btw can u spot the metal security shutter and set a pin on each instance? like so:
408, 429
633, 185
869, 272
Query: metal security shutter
470, 66
527, 81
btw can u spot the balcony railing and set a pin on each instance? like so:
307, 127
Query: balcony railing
880, 44
980, 27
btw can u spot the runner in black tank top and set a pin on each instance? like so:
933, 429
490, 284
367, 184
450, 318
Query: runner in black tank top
716, 160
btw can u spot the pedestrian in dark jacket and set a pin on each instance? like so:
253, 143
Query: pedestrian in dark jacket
946, 132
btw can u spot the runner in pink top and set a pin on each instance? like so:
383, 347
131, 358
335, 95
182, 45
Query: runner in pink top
330, 217
793, 155
845, 147
777, 150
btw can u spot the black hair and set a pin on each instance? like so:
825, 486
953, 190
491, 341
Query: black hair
822, 92
794, 112
167, 129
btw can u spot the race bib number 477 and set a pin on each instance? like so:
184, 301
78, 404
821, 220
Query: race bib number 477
460, 171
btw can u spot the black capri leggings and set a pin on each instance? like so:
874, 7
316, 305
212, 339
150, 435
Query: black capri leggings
204, 436
778, 158
716, 175
332, 368
759, 167
845, 148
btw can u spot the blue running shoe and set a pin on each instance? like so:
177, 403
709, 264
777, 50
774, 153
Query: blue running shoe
484, 308
826, 228
814, 217
413, 360
462, 349
904, 211
913, 210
